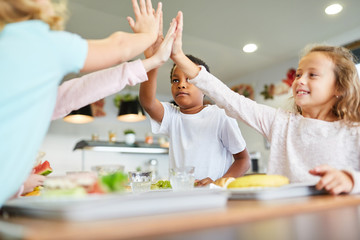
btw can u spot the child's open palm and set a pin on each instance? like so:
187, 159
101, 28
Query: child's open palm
333, 180
177, 46
165, 47
164, 51
147, 20
153, 48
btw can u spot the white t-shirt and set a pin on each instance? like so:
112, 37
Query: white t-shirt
206, 140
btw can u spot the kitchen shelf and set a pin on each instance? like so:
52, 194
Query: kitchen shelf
137, 147
121, 147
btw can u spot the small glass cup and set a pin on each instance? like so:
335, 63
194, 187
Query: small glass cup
103, 170
112, 137
94, 137
149, 138
182, 178
140, 181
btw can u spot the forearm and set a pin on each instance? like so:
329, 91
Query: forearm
147, 92
147, 96
190, 69
117, 48
238, 168
76, 93
152, 64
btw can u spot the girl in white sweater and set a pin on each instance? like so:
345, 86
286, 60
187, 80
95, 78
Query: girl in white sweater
320, 140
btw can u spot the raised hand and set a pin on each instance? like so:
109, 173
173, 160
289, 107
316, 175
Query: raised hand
177, 46
147, 20
164, 50
332, 180
153, 48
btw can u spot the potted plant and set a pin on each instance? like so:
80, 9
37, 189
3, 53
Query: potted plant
129, 107
129, 136
125, 98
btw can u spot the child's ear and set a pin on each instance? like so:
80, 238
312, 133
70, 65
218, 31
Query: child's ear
338, 94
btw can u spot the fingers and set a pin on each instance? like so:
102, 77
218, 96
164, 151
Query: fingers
204, 182
161, 27
142, 7
149, 7
325, 182
320, 170
135, 7
159, 10
131, 22
179, 19
335, 182
171, 30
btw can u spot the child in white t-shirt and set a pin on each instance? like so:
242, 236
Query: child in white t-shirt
200, 135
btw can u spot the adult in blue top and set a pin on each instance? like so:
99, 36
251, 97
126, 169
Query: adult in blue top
35, 55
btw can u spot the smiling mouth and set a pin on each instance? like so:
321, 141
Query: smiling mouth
302, 92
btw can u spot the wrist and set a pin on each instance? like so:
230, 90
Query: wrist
152, 63
177, 56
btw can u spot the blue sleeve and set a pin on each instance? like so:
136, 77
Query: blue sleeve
72, 50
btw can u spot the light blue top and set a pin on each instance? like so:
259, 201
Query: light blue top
33, 61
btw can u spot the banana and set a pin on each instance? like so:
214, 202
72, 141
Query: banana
259, 180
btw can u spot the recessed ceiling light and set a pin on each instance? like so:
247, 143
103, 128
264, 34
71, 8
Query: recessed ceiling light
333, 9
249, 48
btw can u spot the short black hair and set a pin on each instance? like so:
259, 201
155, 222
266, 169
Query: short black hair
195, 60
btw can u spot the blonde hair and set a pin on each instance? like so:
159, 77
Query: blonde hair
347, 106
21, 10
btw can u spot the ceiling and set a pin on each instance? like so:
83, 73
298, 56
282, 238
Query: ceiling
217, 30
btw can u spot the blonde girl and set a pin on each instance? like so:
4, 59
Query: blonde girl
34, 57
320, 142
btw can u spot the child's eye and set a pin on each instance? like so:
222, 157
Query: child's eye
298, 75
313, 75
174, 80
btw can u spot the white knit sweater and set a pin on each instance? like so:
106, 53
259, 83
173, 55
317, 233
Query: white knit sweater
297, 144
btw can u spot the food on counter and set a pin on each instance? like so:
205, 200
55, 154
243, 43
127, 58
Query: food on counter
43, 168
62, 186
103, 170
35, 192
114, 182
161, 184
73, 192
224, 182
259, 180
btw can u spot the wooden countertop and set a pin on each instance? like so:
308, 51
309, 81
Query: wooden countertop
237, 212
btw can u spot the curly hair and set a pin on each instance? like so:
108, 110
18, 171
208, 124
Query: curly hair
22, 10
195, 60
347, 106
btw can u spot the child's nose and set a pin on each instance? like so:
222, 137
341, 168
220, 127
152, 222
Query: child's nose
181, 84
301, 80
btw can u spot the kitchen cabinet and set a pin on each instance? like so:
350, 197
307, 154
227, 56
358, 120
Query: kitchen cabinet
120, 147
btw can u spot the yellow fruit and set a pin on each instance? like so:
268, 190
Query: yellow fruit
259, 180
35, 192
